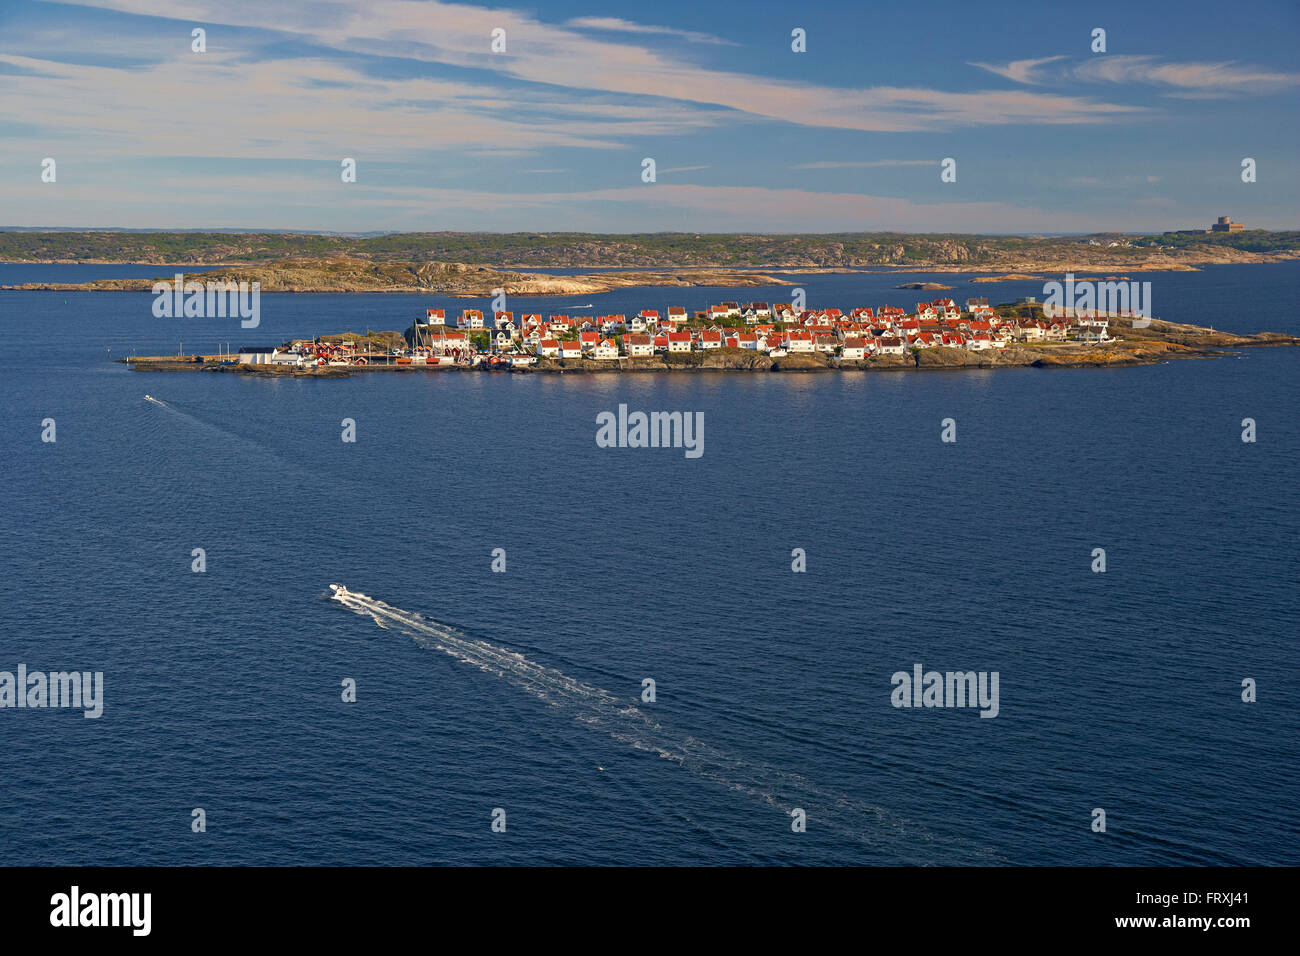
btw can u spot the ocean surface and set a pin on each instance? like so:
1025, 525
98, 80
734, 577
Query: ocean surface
522, 690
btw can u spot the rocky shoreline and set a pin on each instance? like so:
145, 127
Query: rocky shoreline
460, 279
1141, 351
429, 278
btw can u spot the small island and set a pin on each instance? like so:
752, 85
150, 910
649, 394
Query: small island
753, 337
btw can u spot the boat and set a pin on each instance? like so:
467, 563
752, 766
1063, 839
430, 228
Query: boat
339, 590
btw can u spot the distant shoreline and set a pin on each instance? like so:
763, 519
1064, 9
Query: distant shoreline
460, 280
416, 262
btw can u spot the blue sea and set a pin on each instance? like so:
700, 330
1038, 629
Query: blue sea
522, 691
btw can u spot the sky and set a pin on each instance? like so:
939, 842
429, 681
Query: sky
552, 132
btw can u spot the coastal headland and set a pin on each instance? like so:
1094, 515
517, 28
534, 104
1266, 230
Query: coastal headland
476, 264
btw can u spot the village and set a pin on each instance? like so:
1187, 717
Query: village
777, 331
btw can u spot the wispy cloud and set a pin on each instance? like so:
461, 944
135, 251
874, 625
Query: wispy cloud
1187, 78
1197, 77
558, 56
306, 202
615, 25
219, 105
1021, 71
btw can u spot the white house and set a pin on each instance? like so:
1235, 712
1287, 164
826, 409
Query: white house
639, 346
1091, 335
800, 341
257, 355
605, 351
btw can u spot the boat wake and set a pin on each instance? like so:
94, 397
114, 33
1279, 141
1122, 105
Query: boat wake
156, 401
897, 840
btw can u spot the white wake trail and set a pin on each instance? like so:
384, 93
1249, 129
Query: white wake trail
897, 839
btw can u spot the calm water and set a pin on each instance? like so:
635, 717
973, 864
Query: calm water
1118, 690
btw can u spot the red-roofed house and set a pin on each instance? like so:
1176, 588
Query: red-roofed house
639, 346
800, 340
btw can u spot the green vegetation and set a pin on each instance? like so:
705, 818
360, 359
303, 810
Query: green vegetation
1249, 240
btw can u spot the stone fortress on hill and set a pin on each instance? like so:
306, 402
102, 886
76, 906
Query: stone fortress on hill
1225, 224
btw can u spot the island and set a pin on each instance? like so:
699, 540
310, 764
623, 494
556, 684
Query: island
731, 336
